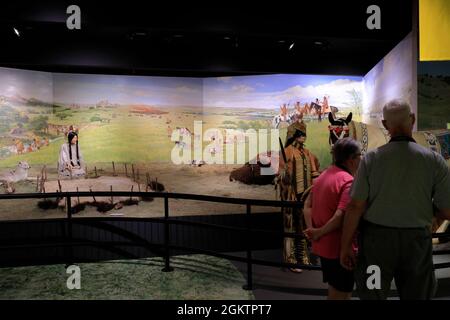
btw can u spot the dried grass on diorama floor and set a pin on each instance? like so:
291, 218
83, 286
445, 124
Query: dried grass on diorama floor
206, 180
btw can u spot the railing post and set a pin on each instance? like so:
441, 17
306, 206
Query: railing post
167, 267
69, 231
249, 285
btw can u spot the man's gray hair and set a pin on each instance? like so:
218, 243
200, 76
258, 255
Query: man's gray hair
397, 113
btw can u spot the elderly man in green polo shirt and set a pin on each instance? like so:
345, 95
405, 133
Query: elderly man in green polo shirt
397, 190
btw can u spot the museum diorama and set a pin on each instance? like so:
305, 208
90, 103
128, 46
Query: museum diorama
109, 172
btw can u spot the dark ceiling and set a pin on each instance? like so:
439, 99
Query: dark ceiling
185, 39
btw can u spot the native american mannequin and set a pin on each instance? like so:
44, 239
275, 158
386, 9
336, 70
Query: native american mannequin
70, 163
297, 171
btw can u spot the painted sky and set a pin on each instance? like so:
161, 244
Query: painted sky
265, 91
163, 91
270, 91
26, 84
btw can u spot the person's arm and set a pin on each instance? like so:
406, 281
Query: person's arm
441, 189
443, 214
333, 224
64, 160
284, 168
354, 212
337, 219
355, 209
281, 163
314, 167
82, 163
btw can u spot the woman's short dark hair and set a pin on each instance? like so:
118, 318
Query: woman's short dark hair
345, 149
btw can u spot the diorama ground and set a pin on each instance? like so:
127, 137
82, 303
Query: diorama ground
205, 180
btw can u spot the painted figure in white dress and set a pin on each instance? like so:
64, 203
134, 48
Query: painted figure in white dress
71, 163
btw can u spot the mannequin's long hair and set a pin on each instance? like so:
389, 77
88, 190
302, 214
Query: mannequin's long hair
70, 137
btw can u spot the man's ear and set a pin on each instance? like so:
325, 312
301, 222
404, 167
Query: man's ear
413, 119
384, 122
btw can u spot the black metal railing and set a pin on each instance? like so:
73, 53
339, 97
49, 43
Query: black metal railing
167, 221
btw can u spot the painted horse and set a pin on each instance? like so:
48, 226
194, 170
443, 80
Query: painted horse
283, 116
372, 137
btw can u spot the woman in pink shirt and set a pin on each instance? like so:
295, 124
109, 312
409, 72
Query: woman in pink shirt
327, 203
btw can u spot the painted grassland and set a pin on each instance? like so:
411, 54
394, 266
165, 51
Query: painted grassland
116, 134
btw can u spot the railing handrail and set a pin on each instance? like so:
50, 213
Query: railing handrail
169, 195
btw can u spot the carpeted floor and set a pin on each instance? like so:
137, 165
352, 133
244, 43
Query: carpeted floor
195, 277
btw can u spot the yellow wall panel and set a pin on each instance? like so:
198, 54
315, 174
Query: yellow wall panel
434, 29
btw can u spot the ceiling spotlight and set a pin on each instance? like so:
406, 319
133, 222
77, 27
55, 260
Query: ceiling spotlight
291, 46
16, 32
